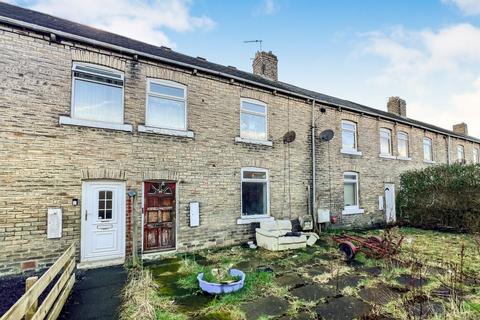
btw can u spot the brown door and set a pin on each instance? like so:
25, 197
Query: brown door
159, 220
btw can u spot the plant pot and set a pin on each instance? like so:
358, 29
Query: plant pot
219, 288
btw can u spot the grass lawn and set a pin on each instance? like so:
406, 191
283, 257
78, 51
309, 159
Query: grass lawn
436, 276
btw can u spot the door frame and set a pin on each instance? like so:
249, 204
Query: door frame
152, 254
385, 185
121, 223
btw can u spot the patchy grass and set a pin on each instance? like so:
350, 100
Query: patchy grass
435, 256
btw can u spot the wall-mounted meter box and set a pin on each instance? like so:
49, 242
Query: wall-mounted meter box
194, 214
54, 223
323, 215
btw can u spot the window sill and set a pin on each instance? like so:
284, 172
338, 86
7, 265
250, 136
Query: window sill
254, 219
254, 141
94, 124
353, 211
167, 132
387, 156
404, 158
351, 152
429, 161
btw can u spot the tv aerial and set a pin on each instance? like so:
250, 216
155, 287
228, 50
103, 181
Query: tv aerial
255, 41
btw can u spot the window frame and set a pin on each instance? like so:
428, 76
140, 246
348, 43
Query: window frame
390, 146
430, 140
167, 83
267, 180
355, 208
407, 139
265, 115
462, 148
355, 134
476, 155
101, 68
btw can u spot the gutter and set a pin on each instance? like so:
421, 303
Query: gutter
67, 35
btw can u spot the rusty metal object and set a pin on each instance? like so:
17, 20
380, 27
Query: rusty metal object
373, 246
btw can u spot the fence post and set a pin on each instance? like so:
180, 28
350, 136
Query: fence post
28, 284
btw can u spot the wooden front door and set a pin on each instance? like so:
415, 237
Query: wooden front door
159, 216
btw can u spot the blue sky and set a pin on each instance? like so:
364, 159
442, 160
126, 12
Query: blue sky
427, 51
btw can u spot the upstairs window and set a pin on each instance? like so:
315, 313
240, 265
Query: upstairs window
402, 138
97, 93
476, 155
460, 154
385, 141
427, 150
349, 135
254, 192
166, 105
350, 190
253, 119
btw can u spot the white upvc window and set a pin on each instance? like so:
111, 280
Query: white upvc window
97, 93
255, 192
349, 136
253, 119
427, 149
403, 149
476, 155
166, 105
385, 142
351, 193
460, 153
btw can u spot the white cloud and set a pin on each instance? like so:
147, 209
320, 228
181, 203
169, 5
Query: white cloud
267, 7
468, 7
142, 20
436, 71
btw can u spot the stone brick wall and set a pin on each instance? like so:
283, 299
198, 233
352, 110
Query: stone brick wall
43, 163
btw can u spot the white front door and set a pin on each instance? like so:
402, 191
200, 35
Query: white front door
103, 221
390, 214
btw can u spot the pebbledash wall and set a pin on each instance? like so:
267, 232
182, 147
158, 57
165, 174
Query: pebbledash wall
44, 163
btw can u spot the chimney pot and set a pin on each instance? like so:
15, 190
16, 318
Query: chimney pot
265, 64
397, 106
461, 128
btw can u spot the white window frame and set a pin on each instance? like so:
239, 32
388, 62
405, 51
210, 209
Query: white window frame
390, 149
242, 179
461, 148
355, 209
430, 142
476, 155
350, 151
101, 68
167, 83
243, 138
407, 139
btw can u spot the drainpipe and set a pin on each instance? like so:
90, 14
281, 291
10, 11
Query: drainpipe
449, 156
314, 171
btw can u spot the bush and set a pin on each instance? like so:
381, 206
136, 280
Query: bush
444, 196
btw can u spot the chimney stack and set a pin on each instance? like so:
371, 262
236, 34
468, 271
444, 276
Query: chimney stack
461, 128
397, 106
265, 64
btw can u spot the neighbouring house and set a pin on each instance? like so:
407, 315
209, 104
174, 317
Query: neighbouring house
122, 145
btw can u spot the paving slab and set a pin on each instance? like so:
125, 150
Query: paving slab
410, 281
343, 308
379, 295
96, 294
313, 292
290, 280
350, 280
300, 316
267, 306
316, 270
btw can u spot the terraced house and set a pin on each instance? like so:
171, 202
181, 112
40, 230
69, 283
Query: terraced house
125, 146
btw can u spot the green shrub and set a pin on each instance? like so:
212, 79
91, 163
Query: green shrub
443, 196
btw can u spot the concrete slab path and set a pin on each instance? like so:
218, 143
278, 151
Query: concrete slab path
96, 294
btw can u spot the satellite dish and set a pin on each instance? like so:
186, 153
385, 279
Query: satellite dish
289, 137
327, 135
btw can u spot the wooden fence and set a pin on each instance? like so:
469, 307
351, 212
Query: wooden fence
27, 306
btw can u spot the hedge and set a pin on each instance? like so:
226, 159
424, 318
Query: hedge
443, 196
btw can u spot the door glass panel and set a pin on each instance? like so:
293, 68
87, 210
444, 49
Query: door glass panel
105, 199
